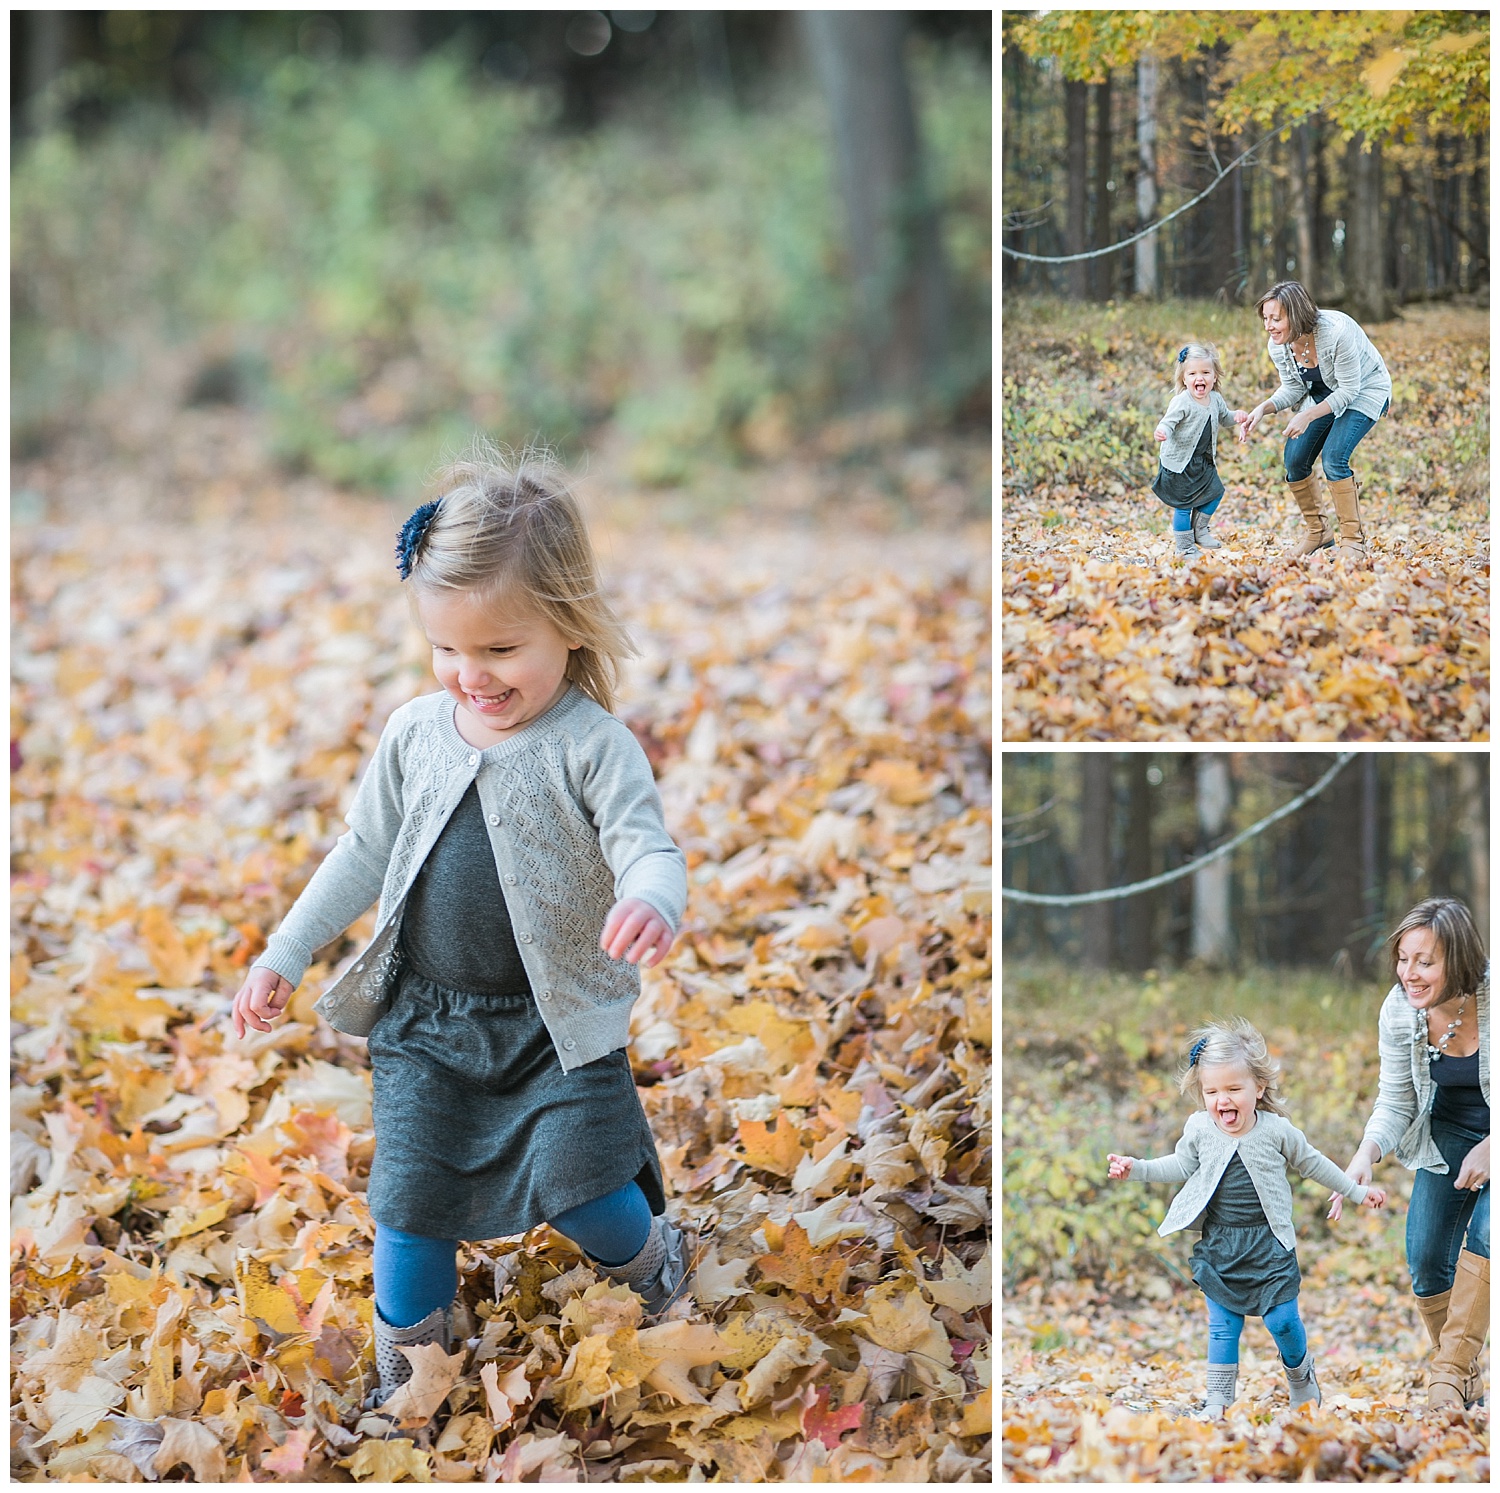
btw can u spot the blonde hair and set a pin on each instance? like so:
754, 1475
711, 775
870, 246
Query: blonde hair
1232, 1041
1457, 939
1297, 304
1197, 350
507, 525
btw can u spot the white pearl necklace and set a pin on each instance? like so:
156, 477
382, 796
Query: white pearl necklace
1447, 1037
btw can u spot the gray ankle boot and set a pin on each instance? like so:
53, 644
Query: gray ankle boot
1202, 533
1186, 545
1302, 1383
657, 1273
1221, 1382
394, 1368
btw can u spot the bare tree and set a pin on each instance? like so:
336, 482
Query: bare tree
1093, 868
1076, 108
1364, 246
1212, 930
894, 244
1145, 181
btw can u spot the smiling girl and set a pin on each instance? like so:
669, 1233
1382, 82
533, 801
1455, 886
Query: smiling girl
1187, 479
510, 828
1233, 1156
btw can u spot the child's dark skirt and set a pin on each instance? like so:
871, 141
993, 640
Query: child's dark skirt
1239, 1262
1197, 484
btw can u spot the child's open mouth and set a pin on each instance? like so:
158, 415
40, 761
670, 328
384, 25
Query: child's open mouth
1229, 1118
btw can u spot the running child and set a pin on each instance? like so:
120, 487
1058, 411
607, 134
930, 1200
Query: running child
510, 828
1233, 1157
1187, 480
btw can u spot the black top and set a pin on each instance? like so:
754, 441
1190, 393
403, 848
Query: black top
1313, 378
1198, 482
456, 928
1459, 1099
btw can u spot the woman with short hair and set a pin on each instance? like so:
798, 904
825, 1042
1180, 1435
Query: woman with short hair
1332, 373
1433, 1111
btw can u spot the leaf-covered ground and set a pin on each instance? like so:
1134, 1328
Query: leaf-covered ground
1105, 1337
190, 1243
1108, 635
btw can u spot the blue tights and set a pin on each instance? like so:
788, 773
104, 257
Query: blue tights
1182, 518
415, 1275
1282, 1322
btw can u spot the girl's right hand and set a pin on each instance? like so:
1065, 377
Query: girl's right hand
1119, 1166
1160, 434
261, 999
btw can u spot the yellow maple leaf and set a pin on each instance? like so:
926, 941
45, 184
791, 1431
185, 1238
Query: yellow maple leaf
433, 1375
801, 1268
389, 1462
262, 1298
178, 962
678, 1347
771, 1150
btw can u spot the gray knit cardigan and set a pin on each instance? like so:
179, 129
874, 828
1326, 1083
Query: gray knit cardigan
1402, 1119
1267, 1151
575, 824
1354, 372
1183, 423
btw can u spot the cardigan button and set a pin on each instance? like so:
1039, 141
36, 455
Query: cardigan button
510, 881
569, 1045
525, 938
494, 819
474, 760
546, 995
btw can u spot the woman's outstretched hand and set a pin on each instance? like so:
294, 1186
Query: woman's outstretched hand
1360, 1169
261, 999
1119, 1166
1252, 420
1475, 1171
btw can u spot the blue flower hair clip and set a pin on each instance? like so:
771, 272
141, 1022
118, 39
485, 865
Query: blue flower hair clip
1196, 1051
413, 532
1182, 356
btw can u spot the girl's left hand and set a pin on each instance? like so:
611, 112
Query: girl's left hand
1475, 1171
636, 932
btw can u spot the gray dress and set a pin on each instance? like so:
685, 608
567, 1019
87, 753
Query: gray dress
1238, 1262
478, 1131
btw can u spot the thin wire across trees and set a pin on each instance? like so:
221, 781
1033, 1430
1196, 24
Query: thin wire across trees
1114, 893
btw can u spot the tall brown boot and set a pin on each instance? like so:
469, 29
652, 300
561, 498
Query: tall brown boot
1452, 1380
1319, 531
1345, 494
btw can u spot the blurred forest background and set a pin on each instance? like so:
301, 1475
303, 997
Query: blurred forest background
1320, 888
694, 240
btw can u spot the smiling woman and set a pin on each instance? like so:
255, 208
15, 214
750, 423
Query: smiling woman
1340, 386
1433, 1111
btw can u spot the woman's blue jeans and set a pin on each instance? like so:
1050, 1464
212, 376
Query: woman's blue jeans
1283, 1322
415, 1274
1442, 1220
1335, 436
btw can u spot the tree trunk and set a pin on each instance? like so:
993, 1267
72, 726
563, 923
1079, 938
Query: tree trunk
1104, 265
1364, 247
1076, 107
894, 244
1303, 186
1212, 931
393, 36
1472, 785
1145, 182
1137, 941
48, 51
1093, 858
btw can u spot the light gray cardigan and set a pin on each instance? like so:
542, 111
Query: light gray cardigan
1355, 373
1183, 423
1267, 1151
575, 824
1401, 1122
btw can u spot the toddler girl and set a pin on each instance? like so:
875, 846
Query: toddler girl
1233, 1156
1187, 480
510, 827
